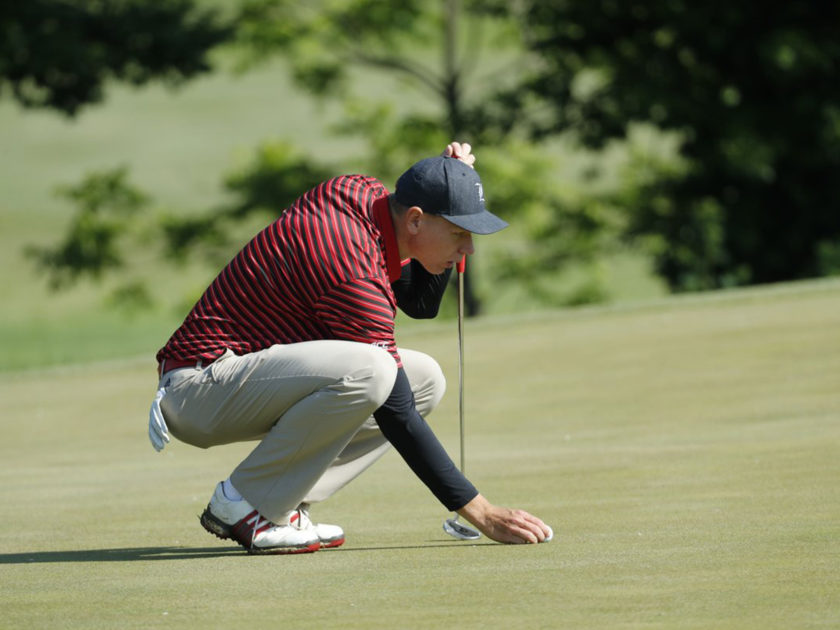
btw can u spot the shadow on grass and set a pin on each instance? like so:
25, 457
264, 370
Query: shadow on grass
436, 545
179, 553
119, 555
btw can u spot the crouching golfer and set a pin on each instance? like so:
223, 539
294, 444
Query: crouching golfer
292, 346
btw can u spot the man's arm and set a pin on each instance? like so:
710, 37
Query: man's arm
401, 423
418, 292
414, 440
359, 311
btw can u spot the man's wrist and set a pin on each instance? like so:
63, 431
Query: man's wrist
475, 510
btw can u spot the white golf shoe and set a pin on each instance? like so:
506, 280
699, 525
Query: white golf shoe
238, 520
329, 535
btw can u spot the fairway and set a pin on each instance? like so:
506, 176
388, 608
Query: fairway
685, 451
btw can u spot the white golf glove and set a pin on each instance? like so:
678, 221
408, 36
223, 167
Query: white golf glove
158, 431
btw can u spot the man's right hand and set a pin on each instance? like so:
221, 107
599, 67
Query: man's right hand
505, 525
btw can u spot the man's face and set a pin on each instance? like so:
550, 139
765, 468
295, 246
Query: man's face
438, 244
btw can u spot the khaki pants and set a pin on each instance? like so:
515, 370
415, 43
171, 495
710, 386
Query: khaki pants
309, 404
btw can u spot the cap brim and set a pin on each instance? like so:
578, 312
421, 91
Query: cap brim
479, 223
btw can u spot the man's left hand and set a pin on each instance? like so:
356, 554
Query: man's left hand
460, 151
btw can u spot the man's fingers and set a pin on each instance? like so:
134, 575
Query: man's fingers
550, 535
505, 525
544, 530
460, 151
463, 152
532, 529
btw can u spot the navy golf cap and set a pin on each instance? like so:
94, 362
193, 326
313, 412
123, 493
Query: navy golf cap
447, 187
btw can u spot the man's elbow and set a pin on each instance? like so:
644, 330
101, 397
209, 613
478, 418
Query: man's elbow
421, 312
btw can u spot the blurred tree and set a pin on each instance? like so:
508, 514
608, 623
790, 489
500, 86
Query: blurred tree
454, 56
59, 53
432, 48
752, 88
749, 90
276, 175
113, 217
106, 203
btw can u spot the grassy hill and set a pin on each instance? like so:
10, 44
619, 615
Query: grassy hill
684, 450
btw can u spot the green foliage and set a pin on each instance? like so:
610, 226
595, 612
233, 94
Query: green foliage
113, 222
59, 54
561, 226
324, 39
105, 206
182, 235
829, 257
750, 93
131, 298
391, 141
433, 49
270, 182
752, 90
276, 176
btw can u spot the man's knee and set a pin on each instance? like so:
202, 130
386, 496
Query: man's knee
373, 378
426, 377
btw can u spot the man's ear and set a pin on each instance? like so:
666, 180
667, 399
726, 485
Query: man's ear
413, 219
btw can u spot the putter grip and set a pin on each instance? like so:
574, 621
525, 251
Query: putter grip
462, 264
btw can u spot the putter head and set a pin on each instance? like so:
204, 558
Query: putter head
458, 530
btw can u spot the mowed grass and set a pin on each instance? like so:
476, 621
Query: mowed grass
685, 452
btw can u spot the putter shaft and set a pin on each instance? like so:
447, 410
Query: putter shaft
461, 360
452, 526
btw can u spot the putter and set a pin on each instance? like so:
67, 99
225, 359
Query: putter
452, 526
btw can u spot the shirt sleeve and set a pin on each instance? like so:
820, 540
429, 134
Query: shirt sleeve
414, 440
360, 310
418, 292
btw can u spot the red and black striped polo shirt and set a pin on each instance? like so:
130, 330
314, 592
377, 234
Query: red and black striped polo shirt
323, 270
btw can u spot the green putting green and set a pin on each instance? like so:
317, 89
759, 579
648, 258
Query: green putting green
685, 451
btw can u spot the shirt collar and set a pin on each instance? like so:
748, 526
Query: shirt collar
382, 218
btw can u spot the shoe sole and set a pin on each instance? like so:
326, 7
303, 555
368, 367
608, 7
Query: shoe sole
222, 530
